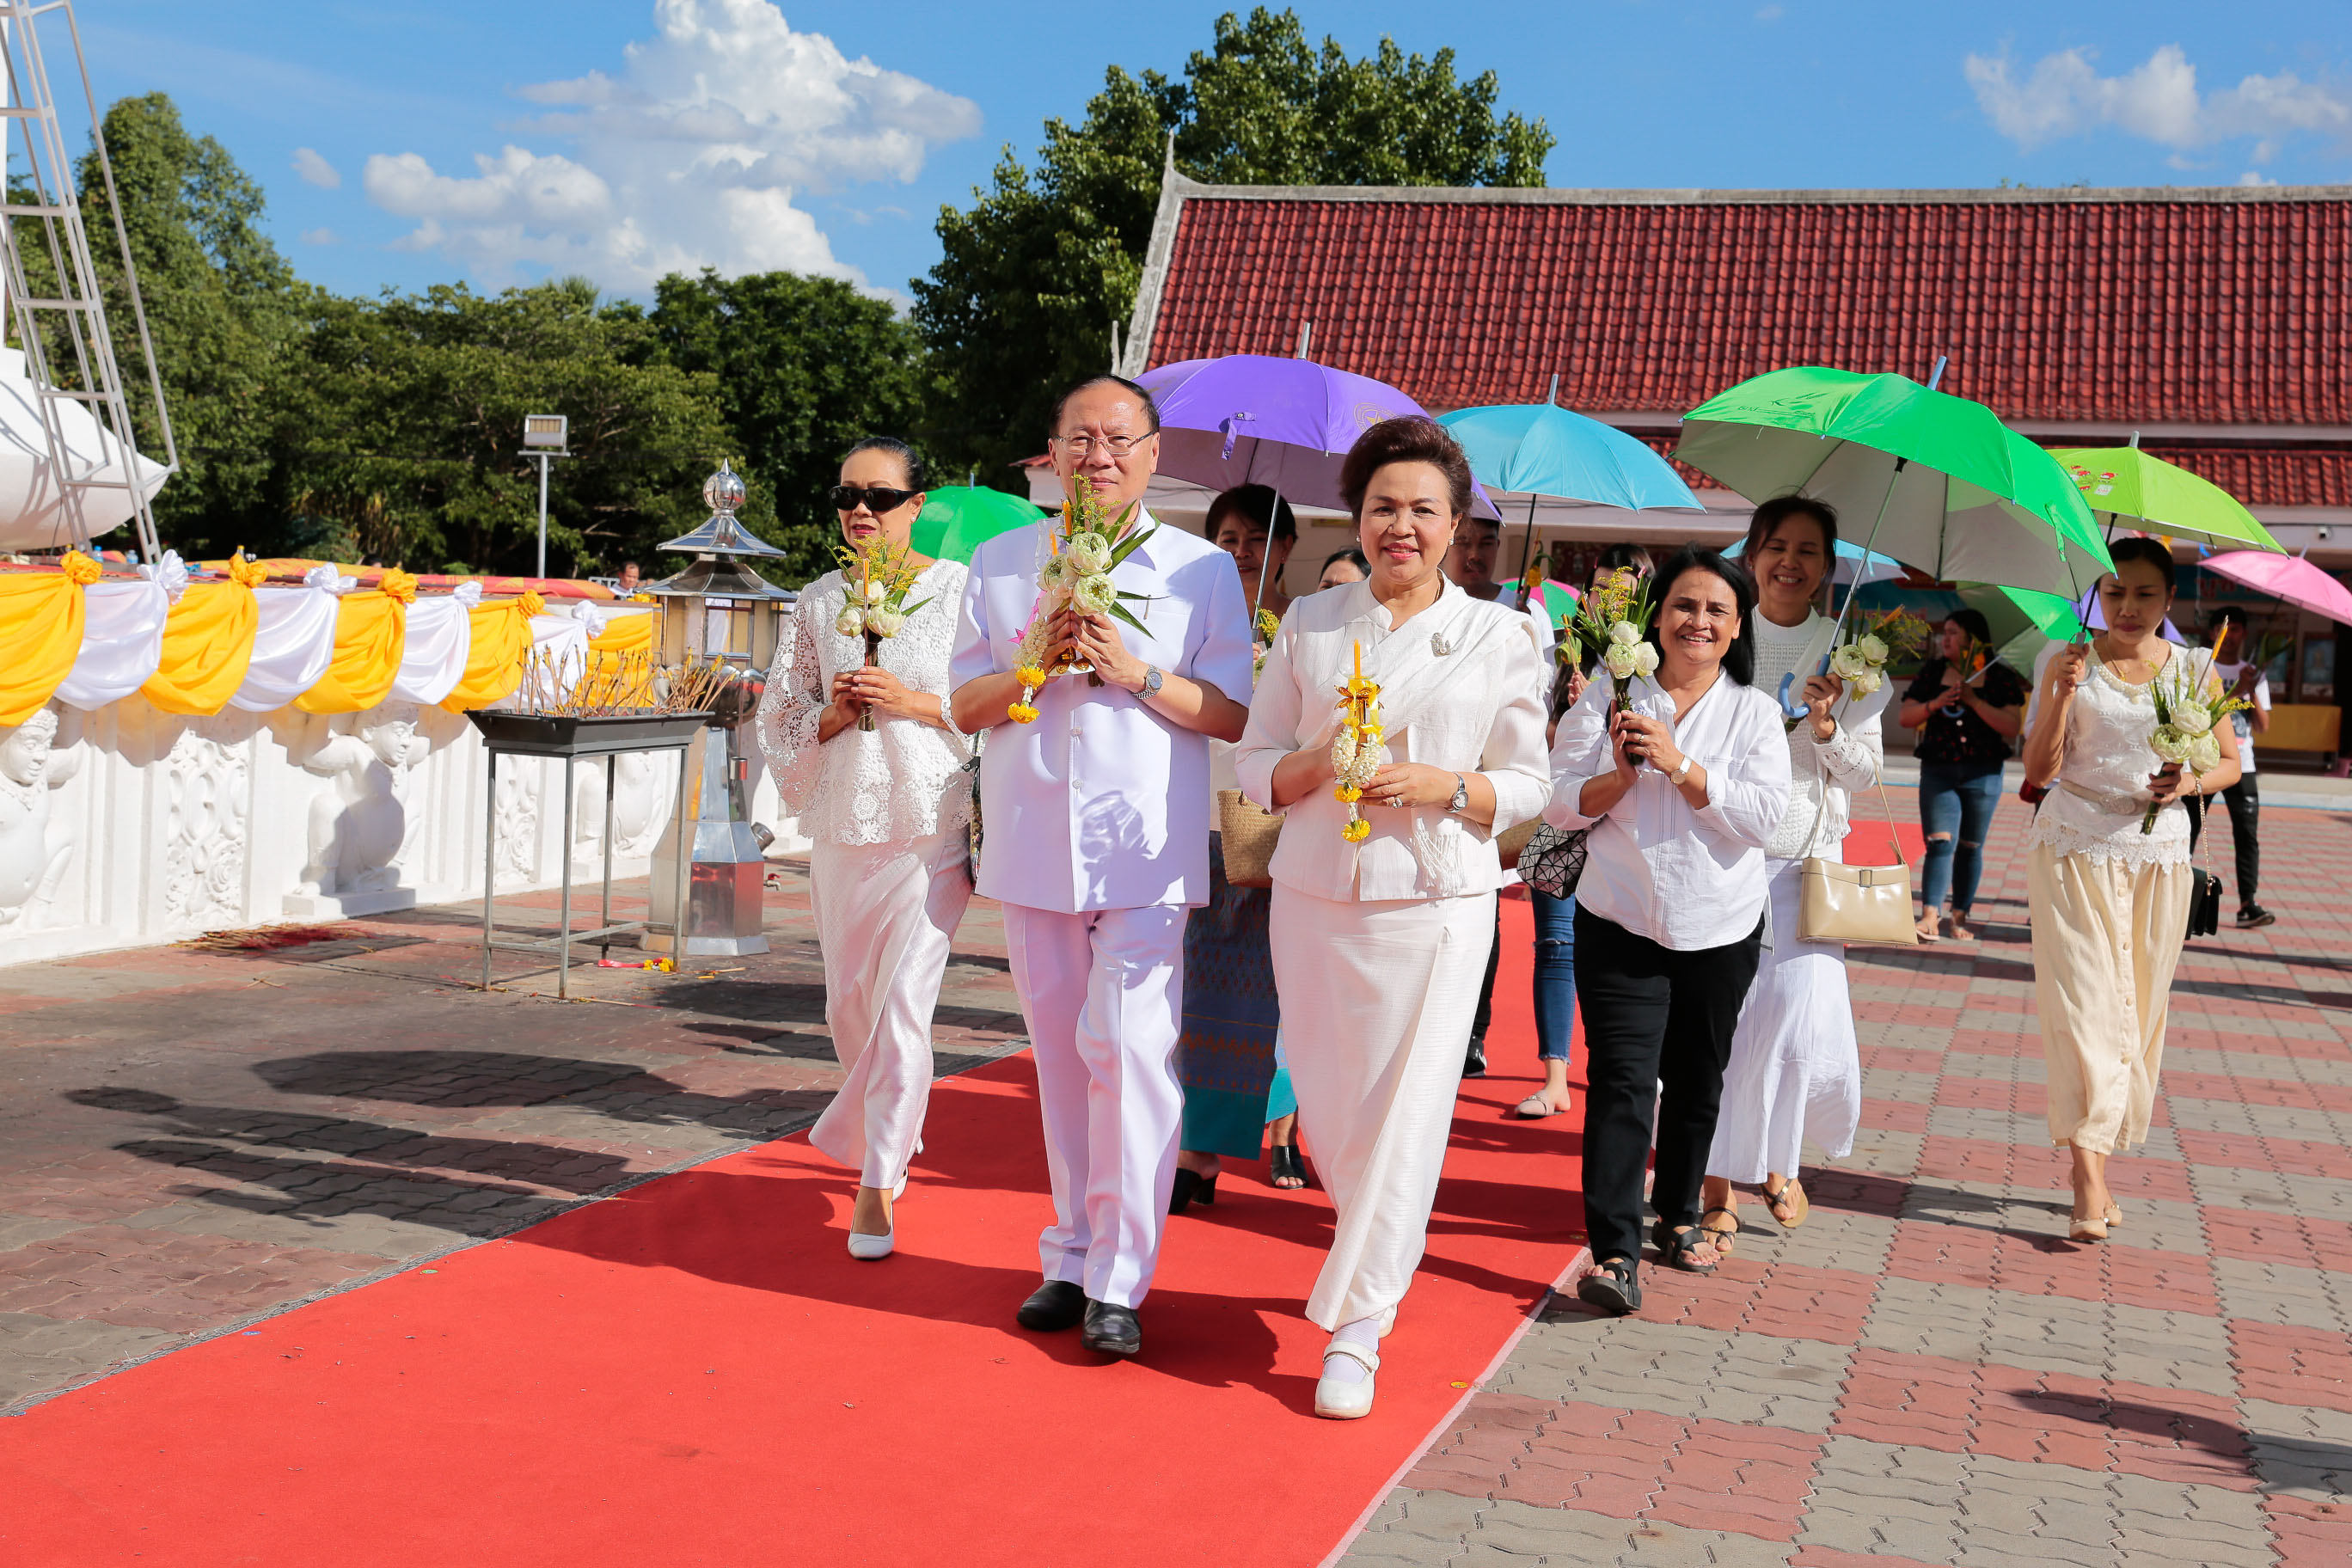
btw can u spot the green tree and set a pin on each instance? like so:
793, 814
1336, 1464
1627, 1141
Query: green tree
803, 367
404, 440
1033, 275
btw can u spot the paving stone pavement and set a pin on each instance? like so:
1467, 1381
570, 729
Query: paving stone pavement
1927, 1372
191, 1140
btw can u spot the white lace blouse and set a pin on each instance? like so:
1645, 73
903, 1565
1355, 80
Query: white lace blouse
1847, 762
901, 781
2094, 808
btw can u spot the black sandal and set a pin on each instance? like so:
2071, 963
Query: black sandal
1720, 1237
1191, 1187
1612, 1286
1675, 1247
1285, 1169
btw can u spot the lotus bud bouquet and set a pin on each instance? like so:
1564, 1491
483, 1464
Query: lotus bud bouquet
874, 583
1076, 576
1862, 663
2186, 712
1611, 619
1357, 752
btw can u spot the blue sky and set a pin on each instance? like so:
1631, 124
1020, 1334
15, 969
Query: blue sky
420, 141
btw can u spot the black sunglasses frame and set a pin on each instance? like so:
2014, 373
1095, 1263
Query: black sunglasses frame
846, 498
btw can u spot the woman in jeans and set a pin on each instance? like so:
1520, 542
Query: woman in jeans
1682, 791
1555, 972
1967, 706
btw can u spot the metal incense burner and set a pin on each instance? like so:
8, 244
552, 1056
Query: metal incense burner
718, 609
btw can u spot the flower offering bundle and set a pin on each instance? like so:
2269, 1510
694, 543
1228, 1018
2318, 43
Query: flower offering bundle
1262, 625
1357, 752
875, 584
2185, 711
1613, 618
1862, 663
1076, 576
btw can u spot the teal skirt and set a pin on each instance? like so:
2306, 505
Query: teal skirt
1225, 1053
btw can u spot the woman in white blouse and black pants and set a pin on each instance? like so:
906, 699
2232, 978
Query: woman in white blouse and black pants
1681, 791
1380, 946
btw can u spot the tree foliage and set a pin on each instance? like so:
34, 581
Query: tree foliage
801, 368
1033, 277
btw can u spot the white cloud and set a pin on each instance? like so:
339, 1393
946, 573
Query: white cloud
692, 155
315, 170
2157, 100
2255, 177
1771, 13
321, 236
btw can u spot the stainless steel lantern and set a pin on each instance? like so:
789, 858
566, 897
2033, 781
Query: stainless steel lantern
718, 609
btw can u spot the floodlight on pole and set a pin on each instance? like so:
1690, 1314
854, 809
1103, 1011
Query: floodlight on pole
543, 436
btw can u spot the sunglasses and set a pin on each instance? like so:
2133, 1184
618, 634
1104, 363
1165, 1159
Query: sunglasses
878, 499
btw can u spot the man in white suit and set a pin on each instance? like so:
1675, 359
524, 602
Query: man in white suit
1097, 834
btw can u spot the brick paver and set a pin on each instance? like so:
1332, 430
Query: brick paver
1927, 1372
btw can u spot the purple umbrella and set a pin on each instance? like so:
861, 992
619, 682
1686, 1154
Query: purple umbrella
1255, 419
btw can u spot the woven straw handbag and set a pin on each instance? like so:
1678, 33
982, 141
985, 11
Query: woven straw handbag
1859, 905
1250, 835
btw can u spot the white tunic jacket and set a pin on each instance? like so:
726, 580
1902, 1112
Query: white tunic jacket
1460, 689
1099, 803
1685, 880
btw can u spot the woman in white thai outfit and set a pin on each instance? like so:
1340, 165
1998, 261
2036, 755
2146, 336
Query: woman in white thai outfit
2110, 902
888, 809
1380, 944
1795, 1073
1681, 791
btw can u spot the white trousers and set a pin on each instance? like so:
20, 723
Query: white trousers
1377, 1003
1103, 992
885, 916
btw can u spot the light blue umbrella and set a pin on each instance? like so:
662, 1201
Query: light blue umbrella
1542, 449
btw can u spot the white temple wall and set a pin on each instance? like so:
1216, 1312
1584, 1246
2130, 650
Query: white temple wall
128, 826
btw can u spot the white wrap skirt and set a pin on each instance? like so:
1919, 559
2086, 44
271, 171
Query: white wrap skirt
1795, 1074
1377, 1000
885, 916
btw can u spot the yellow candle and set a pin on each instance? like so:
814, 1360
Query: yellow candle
1359, 661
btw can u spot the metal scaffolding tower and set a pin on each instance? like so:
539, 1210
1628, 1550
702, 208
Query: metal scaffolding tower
67, 344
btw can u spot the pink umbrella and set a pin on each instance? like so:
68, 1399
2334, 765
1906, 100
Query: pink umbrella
2287, 577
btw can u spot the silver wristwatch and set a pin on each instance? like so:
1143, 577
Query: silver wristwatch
1152, 680
1461, 801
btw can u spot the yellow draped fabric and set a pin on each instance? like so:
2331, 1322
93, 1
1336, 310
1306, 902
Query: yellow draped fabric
625, 634
619, 672
371, 630
40, 627
494, 665
208, 645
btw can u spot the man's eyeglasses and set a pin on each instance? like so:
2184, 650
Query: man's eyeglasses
878, 499
1083, 446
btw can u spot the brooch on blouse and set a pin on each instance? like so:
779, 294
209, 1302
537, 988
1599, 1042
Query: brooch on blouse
1439, 646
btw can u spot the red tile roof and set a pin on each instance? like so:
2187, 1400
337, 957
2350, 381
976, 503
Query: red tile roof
2200, 307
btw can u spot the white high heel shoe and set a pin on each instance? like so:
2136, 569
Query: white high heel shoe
1338, 1400
1387, 1322
867, 1249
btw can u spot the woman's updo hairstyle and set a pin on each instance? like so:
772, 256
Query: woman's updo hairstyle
1408, 439
1260, 504
2147, 550
908, 460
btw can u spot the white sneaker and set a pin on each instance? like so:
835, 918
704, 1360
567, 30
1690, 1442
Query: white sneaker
867, 1249
1340, 1401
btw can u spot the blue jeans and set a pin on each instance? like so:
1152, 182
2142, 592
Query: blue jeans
1555, 973
1956, 806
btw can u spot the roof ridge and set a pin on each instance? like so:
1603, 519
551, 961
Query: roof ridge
1182, 188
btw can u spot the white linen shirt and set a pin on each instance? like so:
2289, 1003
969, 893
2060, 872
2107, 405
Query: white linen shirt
1685, 880
1099, 803
1476, 708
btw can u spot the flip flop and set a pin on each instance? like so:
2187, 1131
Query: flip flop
1720, 1235
1778, 1202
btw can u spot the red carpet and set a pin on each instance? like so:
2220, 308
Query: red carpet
695, 1372
1867, 844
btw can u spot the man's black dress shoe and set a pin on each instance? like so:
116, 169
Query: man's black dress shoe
1474, 1061
1112, 1331
1055, 1305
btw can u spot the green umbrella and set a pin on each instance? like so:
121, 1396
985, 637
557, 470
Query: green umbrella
1947, 488
2023, 621
957, 518
2163, 498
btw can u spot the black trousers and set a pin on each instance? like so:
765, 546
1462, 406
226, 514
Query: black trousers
1654, 1019
2244, 800
1486, 1014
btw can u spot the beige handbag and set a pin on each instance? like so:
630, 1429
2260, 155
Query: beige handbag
1865, 905
1250, 834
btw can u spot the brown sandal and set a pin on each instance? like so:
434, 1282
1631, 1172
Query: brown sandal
1780, 1202
1720, 1235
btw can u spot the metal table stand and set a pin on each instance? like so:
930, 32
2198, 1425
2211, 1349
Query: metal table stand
573, 738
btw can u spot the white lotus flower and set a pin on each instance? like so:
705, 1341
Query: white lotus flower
1645, 658
1624, 632
851, 622
1873, 649
1095, 594
1867, 682
875, 591
1057, 567
1620, 659
2169, 743
1088, 554
2204, 752
1849, 662
2192, 719
884, 622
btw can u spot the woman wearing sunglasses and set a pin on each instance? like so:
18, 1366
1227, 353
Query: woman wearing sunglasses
888, 809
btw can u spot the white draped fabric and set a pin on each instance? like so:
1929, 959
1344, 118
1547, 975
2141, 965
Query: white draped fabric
440, 635
292, 646
121, 642
885, 916
558, 643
